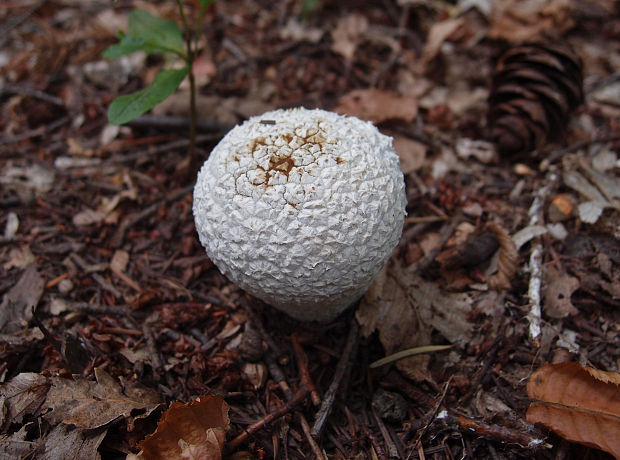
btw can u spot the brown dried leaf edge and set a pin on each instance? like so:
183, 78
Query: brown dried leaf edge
193, 430
578, 403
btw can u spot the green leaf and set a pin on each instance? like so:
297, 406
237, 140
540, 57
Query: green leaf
157, 33
126, 46
150, 34
126, 108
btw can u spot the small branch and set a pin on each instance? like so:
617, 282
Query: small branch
497, 432
430, 416
177, 122
534, 316
318, 453
41, 131
297, 399
389, 442
304, 373
132, 220
341, 369
152, 347
444, 234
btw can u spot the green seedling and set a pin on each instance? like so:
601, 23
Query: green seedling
154, 35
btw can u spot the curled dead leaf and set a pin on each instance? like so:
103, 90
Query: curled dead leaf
558, 290
194, 430
580, 404
377, 105
90, 405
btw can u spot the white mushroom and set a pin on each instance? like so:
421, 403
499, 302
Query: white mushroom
301, 208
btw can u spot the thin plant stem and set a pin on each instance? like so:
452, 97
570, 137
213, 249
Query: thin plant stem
192, 85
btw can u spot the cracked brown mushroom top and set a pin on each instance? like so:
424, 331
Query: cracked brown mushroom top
301, 208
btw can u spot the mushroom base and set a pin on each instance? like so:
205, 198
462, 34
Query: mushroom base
320, 312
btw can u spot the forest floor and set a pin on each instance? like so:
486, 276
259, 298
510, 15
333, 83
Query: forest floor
111, 310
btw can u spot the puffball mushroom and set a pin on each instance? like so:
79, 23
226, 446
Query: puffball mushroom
301, 208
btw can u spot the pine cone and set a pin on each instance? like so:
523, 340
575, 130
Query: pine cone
535, 88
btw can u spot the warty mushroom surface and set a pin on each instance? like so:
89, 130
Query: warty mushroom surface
301, 208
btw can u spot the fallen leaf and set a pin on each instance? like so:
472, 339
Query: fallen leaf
580, 404
15, 445
196, 430
348, 34
91, 405
119, 261
23, 395
437, 35
386, 308
445, 311
88, 217
18, 302
517, 21
483, 151
29, 182
71, 443
590, 211
377, 105
411, 153
300, 32
20, 258
558, 290
11, 226
19, 341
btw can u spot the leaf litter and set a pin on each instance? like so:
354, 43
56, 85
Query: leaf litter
99, 238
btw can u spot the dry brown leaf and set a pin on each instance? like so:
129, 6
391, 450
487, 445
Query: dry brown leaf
517, 21
558, 291
411, 153
18, 302
447, 312
377, 105
19, 257
348, 34
387, 309
23, 395
580, 404
70, 443
194, 430
437, 35
90, 405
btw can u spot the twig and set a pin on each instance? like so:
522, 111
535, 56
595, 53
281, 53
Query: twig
444, 234
278, 376
105, 285
342, 367
35, 132
304, 373
497, 432
318, 453
375, 445
430, 416
37, 94
581, 145
152, 347
53, 341
132, 220
389, 442
534, 316
297, 399
17, 20
176, 122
